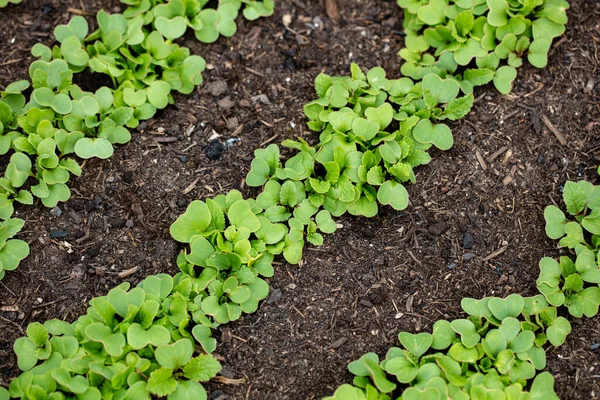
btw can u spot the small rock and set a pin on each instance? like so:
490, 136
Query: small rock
98, 200
232, 123
366, 303
75, 217
290, 64
468, 256
226, 103
183, 159
217, 88
338, 343
117, 223
595, 346
59, 234
245, 104
128, 177
468, 241
275, 296
56, 211
129, 223
214, 150
286, 20
438, 228
452, 266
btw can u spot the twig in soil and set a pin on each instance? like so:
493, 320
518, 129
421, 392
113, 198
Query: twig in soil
8, 289
480, 160
49, 303
269, 140
14, 324
495, 253
229, 381
496, 154
410, 253
298, 311
191, 186
553, 129
239, 338
254, 72
128, 272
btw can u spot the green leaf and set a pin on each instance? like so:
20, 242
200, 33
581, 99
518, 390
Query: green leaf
511, 306
555, 222
444, 90
240, 215
394, 194
404, 369
575, 198
188, 390
542, 387
161, 382
90, 147
202, 368
417, 344
439, 134
503, 79
194, 221
558, 331
174, 355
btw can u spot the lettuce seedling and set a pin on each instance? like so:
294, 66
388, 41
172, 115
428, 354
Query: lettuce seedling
471, 31
4, 3
494, 353
12, 251
133, 343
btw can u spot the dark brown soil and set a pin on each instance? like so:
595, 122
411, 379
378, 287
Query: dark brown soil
373, 278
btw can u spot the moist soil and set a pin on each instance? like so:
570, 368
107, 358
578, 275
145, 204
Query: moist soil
474, 228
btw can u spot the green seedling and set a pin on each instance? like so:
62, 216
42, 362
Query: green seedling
133, 343
450, 38
12, 251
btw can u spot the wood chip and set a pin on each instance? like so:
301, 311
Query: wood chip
554, 130
338, 343
9, 309
480, 159
495, 253
510, 177
229, 381
507, 156
191, 186
496, 154
128, 272
331, 6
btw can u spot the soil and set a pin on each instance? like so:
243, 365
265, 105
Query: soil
474, 228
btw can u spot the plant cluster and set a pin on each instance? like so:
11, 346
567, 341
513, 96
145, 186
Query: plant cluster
4, 3
574, 283
46, 120
492, 354
131, 344
173, 18
373, 132
479, 41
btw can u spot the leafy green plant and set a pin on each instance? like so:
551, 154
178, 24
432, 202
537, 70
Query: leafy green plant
12, 251
487, 40
493, 354
574, 284
172, 18
4, 3
132, 344
373, 132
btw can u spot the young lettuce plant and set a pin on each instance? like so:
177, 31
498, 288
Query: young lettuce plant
482, 34
132, 344
374, 132
494, 353
12, 251
574, 284
173, 18
4, 3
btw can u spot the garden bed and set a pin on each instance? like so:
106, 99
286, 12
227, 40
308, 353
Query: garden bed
372, 278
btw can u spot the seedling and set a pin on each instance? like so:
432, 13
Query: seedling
479, 33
